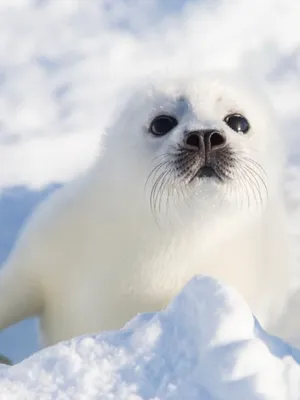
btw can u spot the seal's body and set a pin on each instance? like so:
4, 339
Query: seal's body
188, 183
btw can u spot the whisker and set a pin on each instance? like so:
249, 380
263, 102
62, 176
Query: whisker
257, 175
251, 175
171, 179
155, 170
153, 192
240, 155
164, 182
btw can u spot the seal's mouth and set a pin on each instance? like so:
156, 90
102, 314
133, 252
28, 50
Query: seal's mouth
191, 166
207, 172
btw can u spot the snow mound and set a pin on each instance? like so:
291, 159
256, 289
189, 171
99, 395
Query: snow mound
206, 345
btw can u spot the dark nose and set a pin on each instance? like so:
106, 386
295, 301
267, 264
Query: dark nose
206, 140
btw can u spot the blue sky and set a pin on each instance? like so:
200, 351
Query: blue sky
63, 60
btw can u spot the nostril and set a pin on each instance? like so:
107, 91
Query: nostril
204, 140
216, 140
193, 141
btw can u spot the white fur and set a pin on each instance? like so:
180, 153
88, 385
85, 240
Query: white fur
94, 255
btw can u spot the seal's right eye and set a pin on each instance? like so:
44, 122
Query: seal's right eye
162, 124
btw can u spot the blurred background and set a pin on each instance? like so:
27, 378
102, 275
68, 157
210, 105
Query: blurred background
64, 63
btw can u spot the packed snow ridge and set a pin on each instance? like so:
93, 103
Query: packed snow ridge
206, 345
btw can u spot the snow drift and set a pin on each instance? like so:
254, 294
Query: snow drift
206, 345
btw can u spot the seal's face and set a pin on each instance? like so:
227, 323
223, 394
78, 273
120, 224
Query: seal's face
201, 135
202, 153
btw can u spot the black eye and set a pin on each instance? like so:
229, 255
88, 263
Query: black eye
237, 122
162, 125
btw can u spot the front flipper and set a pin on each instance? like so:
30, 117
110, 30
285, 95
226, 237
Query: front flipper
20, 289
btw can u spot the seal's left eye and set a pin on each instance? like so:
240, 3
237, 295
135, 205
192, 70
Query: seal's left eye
237, 122
162, 124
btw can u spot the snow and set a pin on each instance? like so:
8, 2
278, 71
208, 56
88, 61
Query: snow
205, 345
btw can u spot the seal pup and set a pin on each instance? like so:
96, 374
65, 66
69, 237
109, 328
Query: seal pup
188, 182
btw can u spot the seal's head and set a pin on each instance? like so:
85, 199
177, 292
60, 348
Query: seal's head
196, 139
